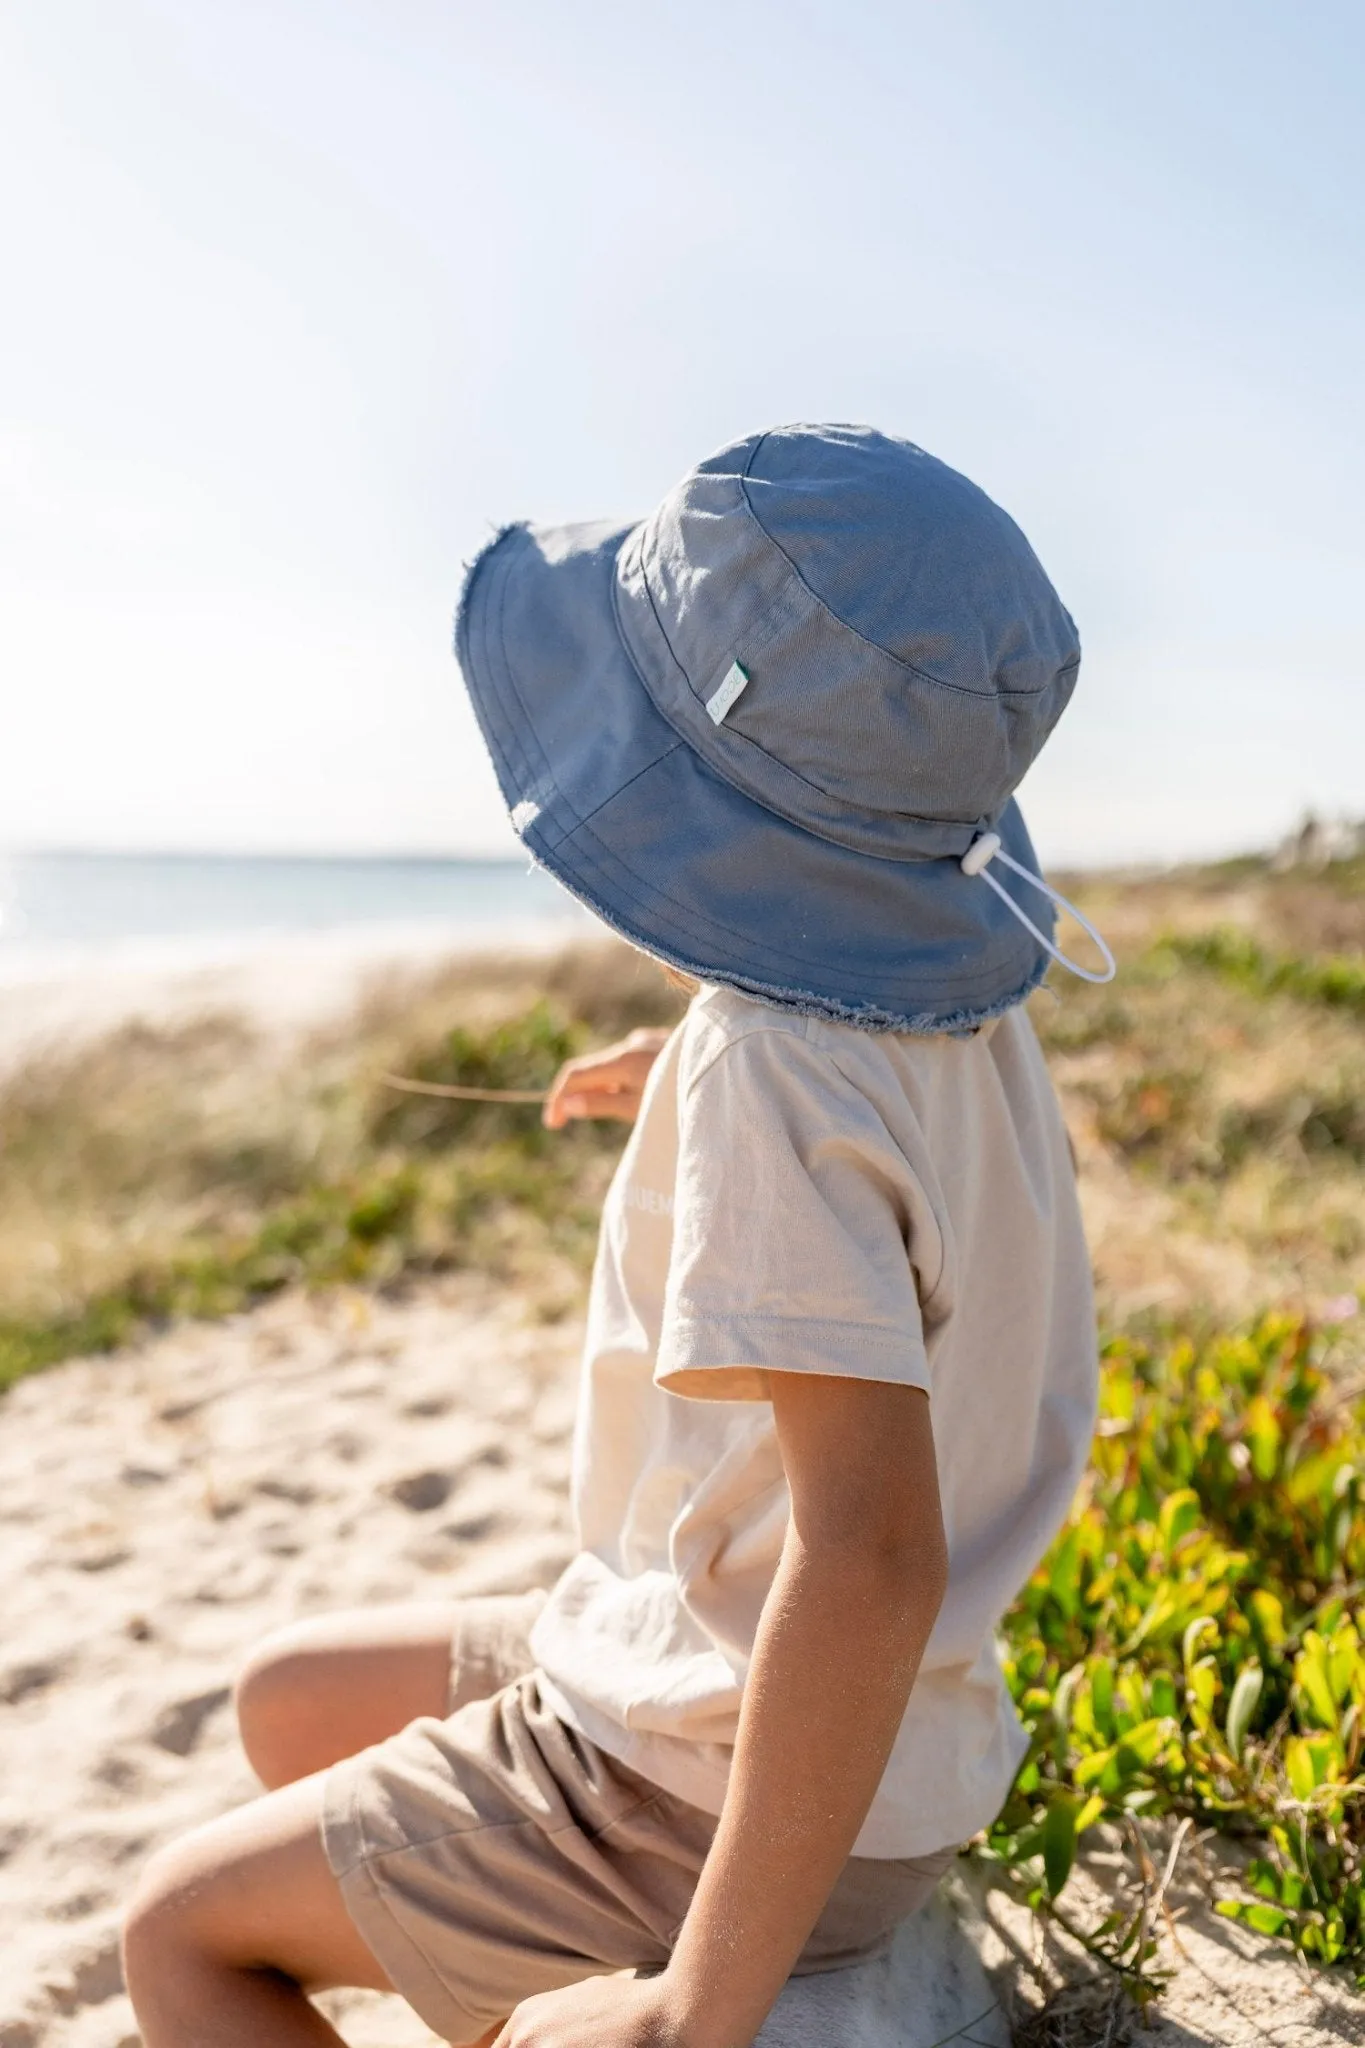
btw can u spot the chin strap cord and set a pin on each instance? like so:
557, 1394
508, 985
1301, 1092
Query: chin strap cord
977, 861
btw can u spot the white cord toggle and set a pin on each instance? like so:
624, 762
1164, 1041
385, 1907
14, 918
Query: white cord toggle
977, 861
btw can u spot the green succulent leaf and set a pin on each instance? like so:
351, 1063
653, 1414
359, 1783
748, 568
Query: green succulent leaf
1246, 1694
1059, 1843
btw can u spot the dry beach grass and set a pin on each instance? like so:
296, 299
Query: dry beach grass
196, 1164
1221, 1128
299, 1295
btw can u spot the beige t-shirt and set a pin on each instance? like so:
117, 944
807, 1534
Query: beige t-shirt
801, 1196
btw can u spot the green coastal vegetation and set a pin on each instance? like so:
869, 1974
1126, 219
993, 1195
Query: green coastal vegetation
1192, 1645
1193, 1648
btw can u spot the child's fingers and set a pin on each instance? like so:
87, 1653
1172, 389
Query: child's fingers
607, 1087
622, 1103
609, 1083
588, 1097
575, 1088
571, 1080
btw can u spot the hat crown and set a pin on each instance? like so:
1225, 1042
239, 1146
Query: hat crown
906, 654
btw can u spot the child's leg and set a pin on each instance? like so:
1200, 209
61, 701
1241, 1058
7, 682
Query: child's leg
233, 1925
229, 1925
322, 1689
326, 1688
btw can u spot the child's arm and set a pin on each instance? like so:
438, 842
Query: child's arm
861, 1579
609, 1083
842, 1632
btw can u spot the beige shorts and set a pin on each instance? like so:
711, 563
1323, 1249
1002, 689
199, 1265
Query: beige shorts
497, 1853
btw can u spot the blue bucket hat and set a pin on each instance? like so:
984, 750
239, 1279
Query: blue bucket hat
772, 733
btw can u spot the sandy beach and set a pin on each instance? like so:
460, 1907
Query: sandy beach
55, 997
159, 1510
165, 1504
163, 1507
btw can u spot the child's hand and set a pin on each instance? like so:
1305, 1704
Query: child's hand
602, 2012
607, 1083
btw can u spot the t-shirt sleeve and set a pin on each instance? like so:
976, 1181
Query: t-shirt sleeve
791, 1229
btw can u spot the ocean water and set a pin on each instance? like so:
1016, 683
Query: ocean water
62, 907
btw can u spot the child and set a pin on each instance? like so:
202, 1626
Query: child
839, 1375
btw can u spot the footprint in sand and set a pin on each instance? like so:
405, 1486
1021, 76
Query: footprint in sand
421, 1492
80, 1905
292, 1490
178, 1727
94, 1975
22, 1681
474, 1528
117, 1774
426, 1406
12, 1840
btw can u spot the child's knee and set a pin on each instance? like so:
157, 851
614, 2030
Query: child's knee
158, 1923
275, 1699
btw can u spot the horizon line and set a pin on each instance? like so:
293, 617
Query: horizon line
408, 857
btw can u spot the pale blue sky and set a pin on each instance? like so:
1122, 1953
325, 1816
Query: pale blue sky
301, 299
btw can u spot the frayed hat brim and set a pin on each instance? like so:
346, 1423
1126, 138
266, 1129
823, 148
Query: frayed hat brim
608, 797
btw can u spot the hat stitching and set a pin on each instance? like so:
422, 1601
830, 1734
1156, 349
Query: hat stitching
508, 747
731, 736
806, 1003
547, 767
866, 1015
910, 667
754, 631
737, 740
700, 927
671, 748
490, 713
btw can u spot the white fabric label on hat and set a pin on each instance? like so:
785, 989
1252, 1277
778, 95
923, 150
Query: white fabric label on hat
724, 695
